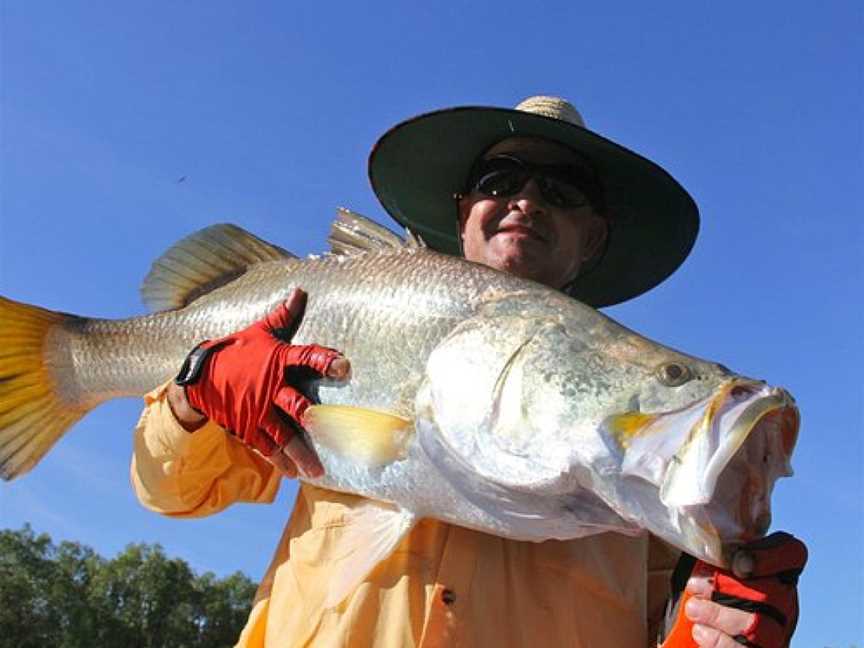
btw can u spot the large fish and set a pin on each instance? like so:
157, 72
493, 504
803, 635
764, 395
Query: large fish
475, 397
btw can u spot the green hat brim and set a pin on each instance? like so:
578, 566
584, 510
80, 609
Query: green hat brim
418, 165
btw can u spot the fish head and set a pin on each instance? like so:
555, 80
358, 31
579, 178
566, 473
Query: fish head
547, 398
521, 388
712, 443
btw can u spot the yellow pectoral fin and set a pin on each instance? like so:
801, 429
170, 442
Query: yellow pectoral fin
365, 436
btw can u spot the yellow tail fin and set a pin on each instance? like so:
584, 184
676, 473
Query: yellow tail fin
33, 416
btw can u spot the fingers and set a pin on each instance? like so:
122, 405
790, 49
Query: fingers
339, 368
303, 456
706, 637
718, 617
743, 564
286, 449
701, 583
325, 361
719, 626
293, 403
284, 464
777, 553
295, 458
272, 434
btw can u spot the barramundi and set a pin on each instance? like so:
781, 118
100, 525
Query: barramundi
475, 397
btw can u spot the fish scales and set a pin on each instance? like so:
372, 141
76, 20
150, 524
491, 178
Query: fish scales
491, 401
347, 302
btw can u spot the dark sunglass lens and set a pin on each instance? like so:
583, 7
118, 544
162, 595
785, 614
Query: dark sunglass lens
561, 193
505, 175
501, 182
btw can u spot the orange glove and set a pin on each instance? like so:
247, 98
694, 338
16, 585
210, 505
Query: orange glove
239, 381
768, 595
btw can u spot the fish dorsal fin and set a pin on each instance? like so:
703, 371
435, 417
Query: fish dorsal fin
202, 262
352, 233
372, 532
414, 240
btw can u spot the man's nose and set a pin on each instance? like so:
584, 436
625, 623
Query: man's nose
529, 198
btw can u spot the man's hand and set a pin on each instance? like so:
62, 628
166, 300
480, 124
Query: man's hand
759, 609
242, 387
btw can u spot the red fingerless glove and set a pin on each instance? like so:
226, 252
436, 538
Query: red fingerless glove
242, 383
770, 592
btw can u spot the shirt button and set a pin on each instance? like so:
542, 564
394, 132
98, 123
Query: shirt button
448, 596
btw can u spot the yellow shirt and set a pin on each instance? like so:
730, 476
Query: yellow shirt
443, 586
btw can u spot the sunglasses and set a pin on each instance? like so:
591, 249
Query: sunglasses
501, 176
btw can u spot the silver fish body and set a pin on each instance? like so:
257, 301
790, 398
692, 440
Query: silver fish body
527, 414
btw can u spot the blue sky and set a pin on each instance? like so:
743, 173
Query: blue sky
269, 110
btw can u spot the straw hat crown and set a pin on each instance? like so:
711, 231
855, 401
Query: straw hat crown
554, 107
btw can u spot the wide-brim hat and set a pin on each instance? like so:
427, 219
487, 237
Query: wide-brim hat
418, 165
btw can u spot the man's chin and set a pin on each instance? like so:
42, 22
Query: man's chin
519, 246
527, 266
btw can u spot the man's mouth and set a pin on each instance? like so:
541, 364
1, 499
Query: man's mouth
521, 231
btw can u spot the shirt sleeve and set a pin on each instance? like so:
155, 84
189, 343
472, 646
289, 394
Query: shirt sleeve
193, 474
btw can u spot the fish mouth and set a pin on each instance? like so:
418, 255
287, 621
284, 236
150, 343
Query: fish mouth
722, 478
713, 462
740, 409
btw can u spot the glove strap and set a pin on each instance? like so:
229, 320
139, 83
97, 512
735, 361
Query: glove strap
193, 365
749, 606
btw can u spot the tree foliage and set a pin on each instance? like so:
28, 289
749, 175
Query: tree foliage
68, 596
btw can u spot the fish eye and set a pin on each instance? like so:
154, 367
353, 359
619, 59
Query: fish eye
673, 374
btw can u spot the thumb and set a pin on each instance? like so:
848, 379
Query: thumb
280, 321
775, 554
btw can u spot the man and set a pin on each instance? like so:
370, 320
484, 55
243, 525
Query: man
528, 191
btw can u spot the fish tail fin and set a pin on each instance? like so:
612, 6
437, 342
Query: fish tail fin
33, 413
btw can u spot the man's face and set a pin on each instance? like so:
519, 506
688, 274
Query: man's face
522, 233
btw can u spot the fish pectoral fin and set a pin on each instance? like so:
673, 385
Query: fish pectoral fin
365, 436
372, 532
202, 262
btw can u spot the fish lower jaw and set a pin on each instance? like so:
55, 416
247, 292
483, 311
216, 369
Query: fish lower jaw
743, 446
714, 537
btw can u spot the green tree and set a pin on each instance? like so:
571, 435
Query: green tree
70, 597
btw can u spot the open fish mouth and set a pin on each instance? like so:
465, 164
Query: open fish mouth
742, 412
714, 462
684, 452
723, 477
739, 510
